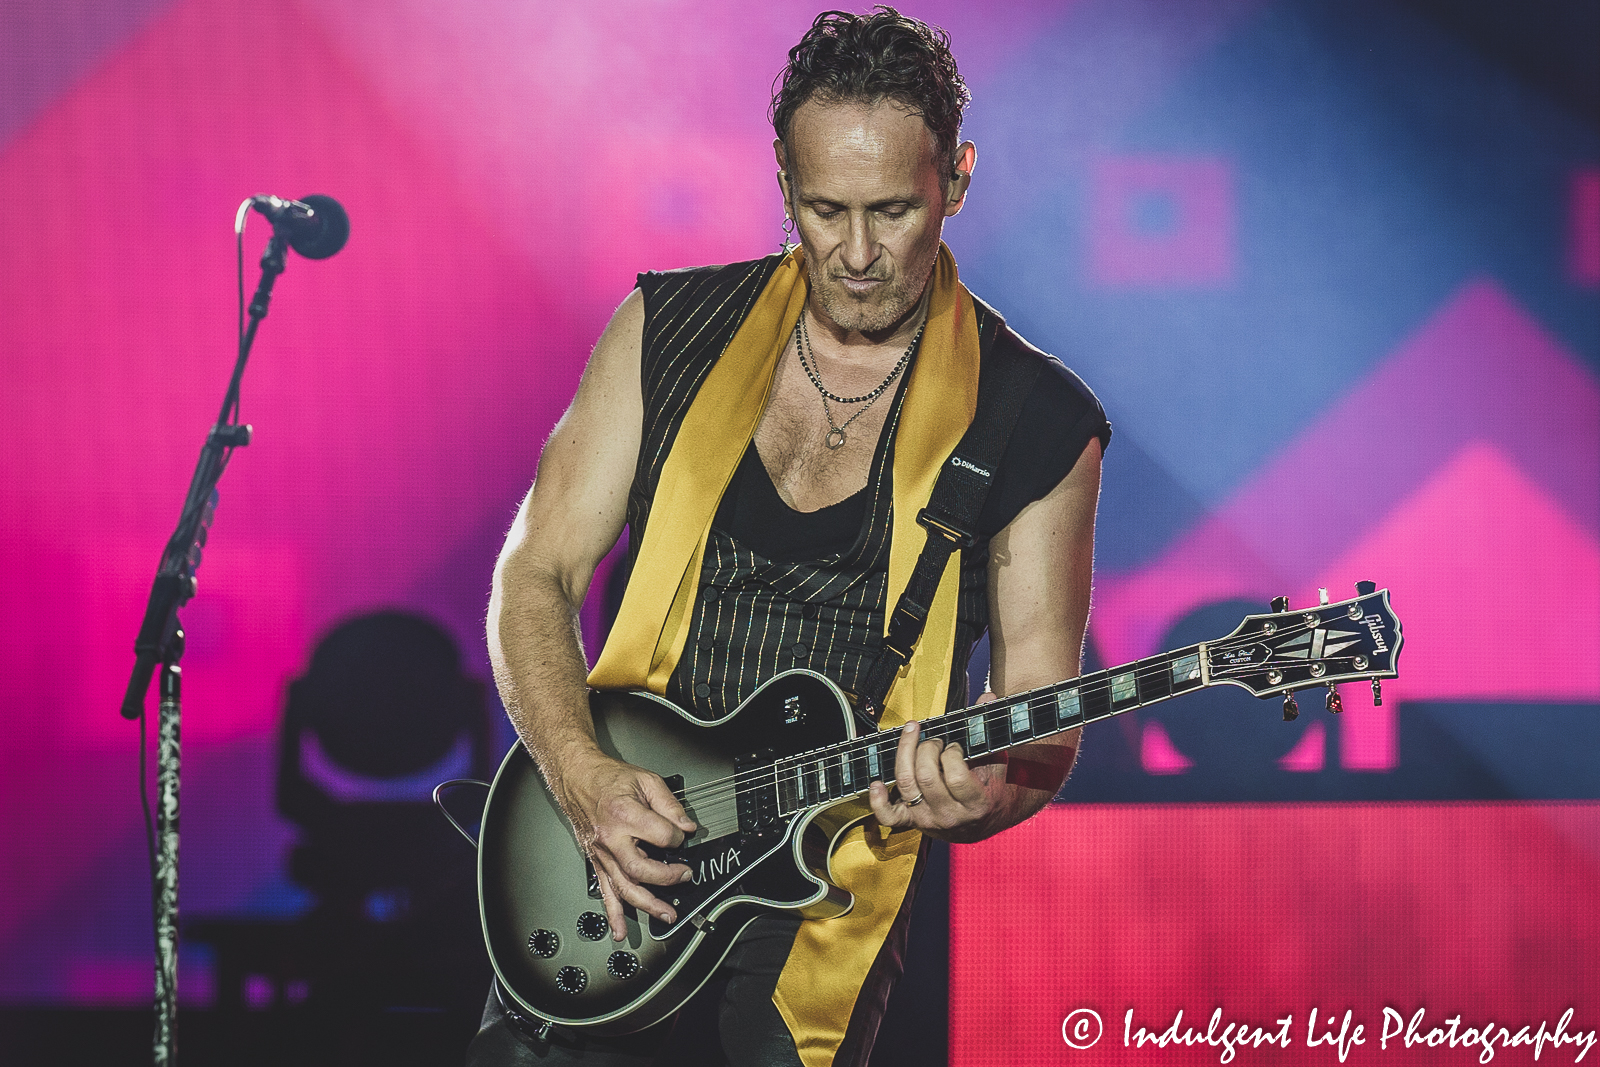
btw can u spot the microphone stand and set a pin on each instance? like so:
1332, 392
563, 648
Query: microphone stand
160, 645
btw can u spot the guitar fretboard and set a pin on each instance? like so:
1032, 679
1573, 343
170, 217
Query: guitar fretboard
846, 769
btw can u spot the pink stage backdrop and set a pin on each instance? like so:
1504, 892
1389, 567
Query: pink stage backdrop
1334, 269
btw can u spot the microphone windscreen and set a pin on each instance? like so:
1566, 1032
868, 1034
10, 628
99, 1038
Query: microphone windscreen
325, 232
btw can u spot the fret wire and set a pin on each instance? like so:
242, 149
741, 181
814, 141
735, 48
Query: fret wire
946, 726
1096, 685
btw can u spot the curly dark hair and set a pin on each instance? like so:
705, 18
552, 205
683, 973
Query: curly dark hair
868, 58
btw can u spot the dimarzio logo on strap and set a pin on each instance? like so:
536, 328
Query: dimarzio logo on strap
957, 461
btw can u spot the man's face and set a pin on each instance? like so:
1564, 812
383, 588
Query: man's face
863, 185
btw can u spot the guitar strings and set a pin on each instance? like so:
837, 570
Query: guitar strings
716, 804
716, 796
716, 801
718, 793
951, 722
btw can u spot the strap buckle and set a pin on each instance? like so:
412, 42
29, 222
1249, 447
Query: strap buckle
905, 626
954, 534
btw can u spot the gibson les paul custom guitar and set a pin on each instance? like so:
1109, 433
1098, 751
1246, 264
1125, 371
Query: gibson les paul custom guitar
776, 782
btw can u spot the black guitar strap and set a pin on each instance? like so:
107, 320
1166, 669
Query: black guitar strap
1006, 375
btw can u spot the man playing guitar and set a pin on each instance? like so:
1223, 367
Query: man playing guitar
791, 496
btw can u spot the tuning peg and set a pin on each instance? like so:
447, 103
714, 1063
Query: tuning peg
1366, 588
1280, 604
1377, 693
1291, 708
1335, 702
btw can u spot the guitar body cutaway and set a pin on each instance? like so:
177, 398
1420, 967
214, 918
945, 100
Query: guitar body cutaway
543, 919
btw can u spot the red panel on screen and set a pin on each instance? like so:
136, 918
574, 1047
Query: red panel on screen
1489, 911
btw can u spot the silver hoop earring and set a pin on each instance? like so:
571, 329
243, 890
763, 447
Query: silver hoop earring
785, 245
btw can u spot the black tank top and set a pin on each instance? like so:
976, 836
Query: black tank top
781, 588
1055, 425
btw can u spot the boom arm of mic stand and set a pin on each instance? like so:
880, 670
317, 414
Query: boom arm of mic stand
174, 583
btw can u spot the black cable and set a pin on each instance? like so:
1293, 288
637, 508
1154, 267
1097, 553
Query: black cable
144, 730
149, 821
238, 249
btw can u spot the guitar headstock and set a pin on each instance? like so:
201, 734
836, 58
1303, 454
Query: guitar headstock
1353, 640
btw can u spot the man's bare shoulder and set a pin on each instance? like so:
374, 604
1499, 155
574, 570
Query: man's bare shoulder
769, 262
698, 287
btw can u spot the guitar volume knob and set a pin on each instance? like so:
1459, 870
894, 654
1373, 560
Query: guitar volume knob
622, 965
544, 943
572, 980
592, 926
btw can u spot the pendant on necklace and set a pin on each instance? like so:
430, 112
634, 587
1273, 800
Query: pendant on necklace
835, 439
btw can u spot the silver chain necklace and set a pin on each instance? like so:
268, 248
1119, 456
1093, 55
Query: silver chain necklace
836, 438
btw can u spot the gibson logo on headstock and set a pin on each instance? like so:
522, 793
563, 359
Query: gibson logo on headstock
1374, 624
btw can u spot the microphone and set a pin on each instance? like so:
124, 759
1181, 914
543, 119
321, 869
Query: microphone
316, 227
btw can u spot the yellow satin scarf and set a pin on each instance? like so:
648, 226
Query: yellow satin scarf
831, 958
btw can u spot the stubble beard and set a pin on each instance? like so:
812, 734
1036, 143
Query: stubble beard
875, 312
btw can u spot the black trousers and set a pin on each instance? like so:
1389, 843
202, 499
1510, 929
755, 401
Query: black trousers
746, 1025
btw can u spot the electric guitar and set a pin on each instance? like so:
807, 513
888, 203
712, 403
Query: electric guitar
775, 783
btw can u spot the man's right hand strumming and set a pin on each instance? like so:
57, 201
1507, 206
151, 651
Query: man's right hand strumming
570, 519
613, 807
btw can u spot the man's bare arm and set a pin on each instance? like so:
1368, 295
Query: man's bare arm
1040, 571
569, 520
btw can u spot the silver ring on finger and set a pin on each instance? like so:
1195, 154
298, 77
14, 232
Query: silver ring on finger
912, 802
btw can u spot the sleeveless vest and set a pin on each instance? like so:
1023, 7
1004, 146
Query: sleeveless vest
756, 617
751, 617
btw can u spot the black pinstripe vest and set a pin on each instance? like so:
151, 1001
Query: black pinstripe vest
756, 617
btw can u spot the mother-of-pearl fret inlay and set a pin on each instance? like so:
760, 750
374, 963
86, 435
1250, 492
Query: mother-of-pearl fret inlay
1020, 722
831, 772
1068, 711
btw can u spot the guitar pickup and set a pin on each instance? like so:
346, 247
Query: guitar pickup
758, 805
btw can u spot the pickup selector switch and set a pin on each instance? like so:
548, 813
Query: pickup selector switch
592, 926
